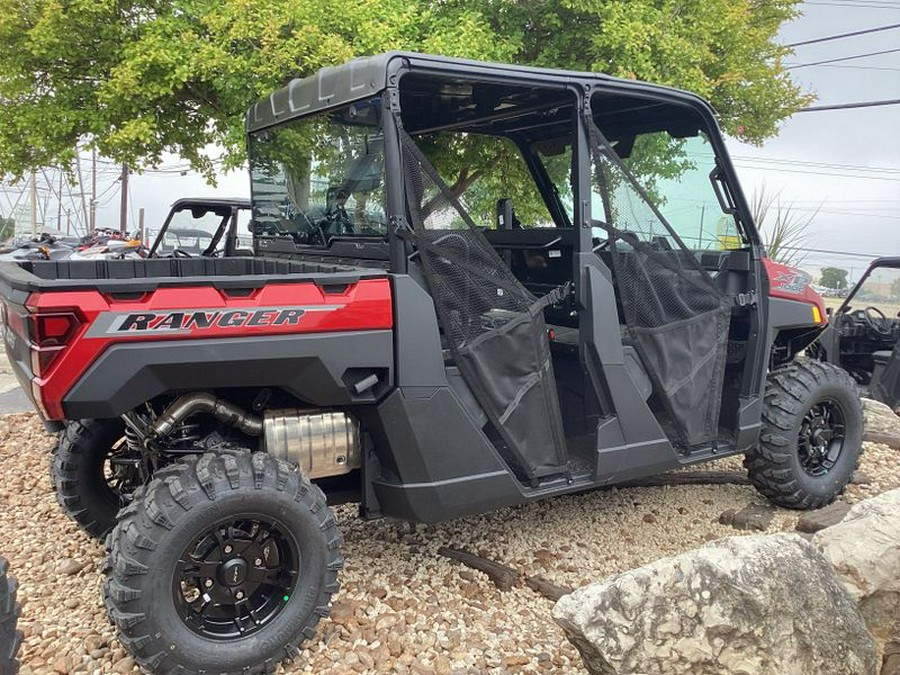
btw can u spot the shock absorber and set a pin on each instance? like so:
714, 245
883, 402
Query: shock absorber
186, 434
134, 440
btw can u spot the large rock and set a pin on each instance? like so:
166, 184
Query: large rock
879, 417
864, 549
762, 605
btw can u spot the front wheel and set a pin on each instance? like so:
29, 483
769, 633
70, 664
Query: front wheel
223, 563
811, 436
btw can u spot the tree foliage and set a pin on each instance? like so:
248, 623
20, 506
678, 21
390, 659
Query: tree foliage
7, 228
137, 78
833, 277
895, 288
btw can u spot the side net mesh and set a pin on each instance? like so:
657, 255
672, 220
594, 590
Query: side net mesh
493, 326
676, 317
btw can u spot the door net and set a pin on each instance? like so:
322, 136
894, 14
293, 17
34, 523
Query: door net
675, 316
494, 328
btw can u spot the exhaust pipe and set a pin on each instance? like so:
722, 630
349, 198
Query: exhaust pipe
189, 404
320, 444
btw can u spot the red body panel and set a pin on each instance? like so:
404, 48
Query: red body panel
792, 284
200, 313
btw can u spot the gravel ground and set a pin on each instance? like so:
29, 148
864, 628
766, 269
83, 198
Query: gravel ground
402, 607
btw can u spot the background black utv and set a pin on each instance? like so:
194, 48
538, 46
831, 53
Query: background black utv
202, 227
557, 325
863, 333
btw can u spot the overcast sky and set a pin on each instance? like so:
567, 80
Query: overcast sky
847, 163
860, 207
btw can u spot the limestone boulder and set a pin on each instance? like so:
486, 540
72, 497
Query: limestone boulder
864, 549
879, 417
760, 605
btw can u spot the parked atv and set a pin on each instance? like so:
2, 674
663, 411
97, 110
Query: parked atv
863, 333
419, 341
10, 638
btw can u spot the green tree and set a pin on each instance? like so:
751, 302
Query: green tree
833, 277
895, 287
137, 78
7, 228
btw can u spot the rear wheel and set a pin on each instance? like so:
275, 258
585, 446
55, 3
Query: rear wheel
222, 563
94, 473
811, 436
10, 638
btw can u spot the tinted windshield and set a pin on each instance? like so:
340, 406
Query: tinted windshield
321, 177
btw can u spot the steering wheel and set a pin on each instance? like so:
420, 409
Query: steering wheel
339, 221
876, 320
181, 253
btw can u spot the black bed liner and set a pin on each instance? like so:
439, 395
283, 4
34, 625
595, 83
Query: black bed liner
142, 275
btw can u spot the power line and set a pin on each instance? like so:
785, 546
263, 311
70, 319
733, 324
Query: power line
842, 58
822, 250
798, 162
827, 174
890, 70
892, 26
850, 106
854, 5
817, 165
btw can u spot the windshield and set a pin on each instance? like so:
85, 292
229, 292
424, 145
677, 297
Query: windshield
880, 292
321, 177
191, 230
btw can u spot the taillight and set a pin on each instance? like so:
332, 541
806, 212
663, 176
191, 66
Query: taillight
53, 330
48, 335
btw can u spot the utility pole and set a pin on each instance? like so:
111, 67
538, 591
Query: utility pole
84, 211
33, 203
123, 211
93, 189
702, 216
59, 204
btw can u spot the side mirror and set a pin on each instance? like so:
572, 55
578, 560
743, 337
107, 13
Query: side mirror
829, 311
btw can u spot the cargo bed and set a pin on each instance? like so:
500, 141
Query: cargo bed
142, 275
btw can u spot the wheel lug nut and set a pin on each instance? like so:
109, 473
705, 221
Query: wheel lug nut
228, 548
208, 583
239, 595
257, 562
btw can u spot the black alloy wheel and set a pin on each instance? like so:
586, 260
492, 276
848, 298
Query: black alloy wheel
810, 438
223, 563
236, 577
821, 438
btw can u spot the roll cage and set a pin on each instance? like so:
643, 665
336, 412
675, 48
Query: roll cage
422, 96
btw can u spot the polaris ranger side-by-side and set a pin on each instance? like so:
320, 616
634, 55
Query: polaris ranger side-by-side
475, 285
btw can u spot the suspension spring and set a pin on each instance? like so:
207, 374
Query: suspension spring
134, 440
186, 433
